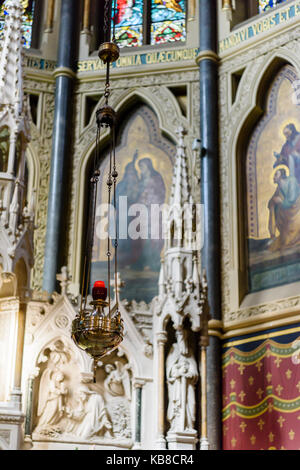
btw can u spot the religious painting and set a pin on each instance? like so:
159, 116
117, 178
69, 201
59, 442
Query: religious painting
273, 188
145, 167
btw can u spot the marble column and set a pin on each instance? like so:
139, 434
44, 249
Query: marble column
138, 387
208, 67
64, 75
12, 153
161, 342
20, 344
204, 444
28, 415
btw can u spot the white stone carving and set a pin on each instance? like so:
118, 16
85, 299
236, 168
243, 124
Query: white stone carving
117, 383
89, 420
182, 296
51, 402
16, 218
182, 376
121, 418
62, 321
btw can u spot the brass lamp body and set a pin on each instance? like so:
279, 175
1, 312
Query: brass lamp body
95, 332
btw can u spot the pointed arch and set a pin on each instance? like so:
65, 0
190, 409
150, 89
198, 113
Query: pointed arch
122, 103
33, 164
253, 112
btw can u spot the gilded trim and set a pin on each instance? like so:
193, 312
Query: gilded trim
250, 412
207, 55
273, 334
64, 71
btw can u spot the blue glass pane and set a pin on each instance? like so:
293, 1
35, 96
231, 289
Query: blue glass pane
168, 18
27, 21
265, 5
129, 22
27, 24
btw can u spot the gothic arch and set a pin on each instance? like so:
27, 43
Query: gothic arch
82, 359
169, 117
249, 115
33, 164
22, 274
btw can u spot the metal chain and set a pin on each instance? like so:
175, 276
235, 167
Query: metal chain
107, 86
106, 16
109, 183
116, 228
90, 235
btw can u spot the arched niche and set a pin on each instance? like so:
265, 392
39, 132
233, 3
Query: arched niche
4, 149
68, 407
22, 275
267, 253
31, 173
145, 159
182, 384
169, 115
56, 357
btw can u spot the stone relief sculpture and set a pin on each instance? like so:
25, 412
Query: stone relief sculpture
117, 383
117, 386
182, 376
69, 409
51, 405
89, 419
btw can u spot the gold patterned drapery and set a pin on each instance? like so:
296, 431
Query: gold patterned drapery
261, 392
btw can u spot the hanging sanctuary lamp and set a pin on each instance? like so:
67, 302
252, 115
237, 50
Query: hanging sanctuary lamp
98, 330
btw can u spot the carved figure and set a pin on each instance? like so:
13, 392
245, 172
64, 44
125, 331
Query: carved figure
51, 404
284, 207
90, 419
182, 376
117, 382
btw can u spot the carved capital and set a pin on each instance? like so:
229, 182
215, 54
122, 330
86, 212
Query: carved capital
161, 337
215, 328
138, 383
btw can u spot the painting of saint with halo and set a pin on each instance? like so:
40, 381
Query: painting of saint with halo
144, 159
273, 189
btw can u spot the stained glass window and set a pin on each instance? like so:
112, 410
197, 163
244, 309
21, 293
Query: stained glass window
140, 22
27, 22
265, 5
167, 21
129, 22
